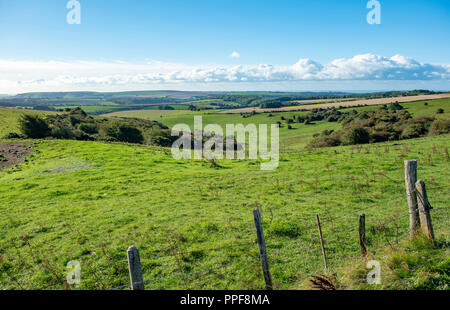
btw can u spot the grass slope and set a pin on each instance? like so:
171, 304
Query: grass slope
90, 201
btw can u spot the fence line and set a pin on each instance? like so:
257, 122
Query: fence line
413, 195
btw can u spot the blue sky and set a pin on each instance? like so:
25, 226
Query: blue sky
196, 35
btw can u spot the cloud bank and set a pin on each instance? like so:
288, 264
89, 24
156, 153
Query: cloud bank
20, 76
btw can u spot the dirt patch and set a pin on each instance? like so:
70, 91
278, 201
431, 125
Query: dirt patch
13, 153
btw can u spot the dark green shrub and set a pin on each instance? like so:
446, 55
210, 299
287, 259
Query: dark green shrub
62, 131
327, 132
13, 135
124, 133
395, 106
355, 135
416, 127
161, 137
412, 130
325, 141
89, 128
380, 136
300, 119
440, 127
363, 116
33, 126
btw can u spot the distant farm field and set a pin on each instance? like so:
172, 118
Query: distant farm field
352, 103
149, 114
290, 139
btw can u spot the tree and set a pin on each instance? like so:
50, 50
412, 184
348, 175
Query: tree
357, 135
33, 126
125, 133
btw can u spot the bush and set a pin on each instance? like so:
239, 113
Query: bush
416, 127
363, 116
355, 135
412, 131
325, 141
124, 133
380, 136
63, 132
161, 137
440, 127
32, 126
395, 106
327, 132
13, 135
89, 128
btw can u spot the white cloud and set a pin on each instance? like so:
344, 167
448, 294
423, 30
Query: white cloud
235, 55
21, 76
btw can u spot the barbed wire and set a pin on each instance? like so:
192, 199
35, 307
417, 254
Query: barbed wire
190, 251
299, 247
181, 275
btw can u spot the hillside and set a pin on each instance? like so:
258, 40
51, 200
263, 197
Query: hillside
192, 221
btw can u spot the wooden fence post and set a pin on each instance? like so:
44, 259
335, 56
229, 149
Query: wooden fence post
362, 235
410, 181
262, 250
424, 210
135, 269
319, 227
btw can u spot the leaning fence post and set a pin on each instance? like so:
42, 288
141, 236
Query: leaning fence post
362, 235
135, 269
262, 250
319, 227
424, 210
410, 181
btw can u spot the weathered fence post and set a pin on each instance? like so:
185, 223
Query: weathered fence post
410, 181
319, 227
262, 250
135, 269
362, 235
424, 210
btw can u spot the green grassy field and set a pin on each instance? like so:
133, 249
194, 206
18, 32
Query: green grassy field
290, 139
150, 114
90, 201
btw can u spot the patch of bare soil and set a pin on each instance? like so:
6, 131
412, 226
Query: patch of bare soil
13, 153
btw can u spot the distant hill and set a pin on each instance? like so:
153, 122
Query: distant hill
115, 95
182, 95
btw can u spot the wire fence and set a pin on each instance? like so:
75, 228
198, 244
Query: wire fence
305, 253
292, 258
